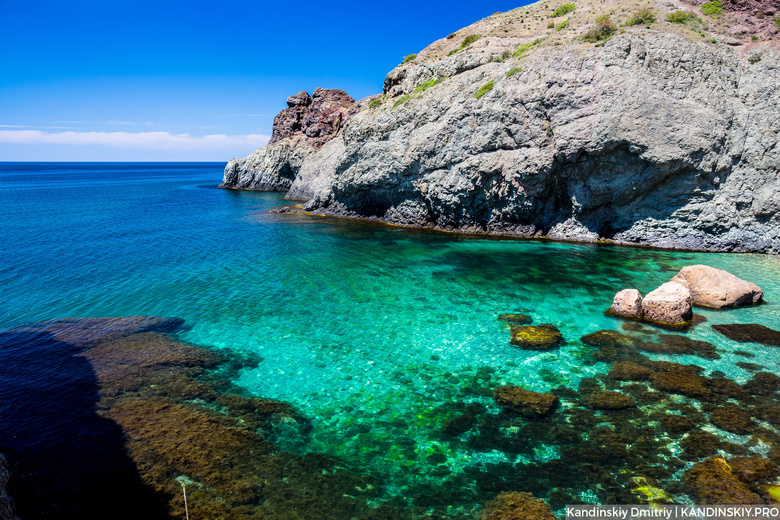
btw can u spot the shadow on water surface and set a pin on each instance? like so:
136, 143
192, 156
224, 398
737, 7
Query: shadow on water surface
66, 461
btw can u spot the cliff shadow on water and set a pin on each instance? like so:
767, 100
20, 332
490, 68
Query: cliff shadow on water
66, 461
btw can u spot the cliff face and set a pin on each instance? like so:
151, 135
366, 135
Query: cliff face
656, 136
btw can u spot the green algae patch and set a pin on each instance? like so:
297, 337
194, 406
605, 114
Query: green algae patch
536, 337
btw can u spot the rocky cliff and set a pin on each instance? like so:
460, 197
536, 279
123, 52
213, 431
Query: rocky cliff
653, 124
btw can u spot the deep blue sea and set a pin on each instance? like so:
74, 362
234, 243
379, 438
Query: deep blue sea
357, 323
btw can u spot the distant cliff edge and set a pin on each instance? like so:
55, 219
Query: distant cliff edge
595, 121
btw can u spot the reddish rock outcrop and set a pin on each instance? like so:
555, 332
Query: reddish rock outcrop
320, 116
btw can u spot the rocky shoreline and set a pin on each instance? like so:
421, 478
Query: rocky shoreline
654, 137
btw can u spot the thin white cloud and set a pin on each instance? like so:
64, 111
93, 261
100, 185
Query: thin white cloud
124, 123
136, 140
14, 126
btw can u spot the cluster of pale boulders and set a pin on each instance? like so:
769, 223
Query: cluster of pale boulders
672, 303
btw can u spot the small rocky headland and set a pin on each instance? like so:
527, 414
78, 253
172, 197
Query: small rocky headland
651, 123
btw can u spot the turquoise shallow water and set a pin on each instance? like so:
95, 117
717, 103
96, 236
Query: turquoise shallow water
369, 330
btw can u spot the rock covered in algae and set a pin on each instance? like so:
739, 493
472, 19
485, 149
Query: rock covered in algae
525, 402
627, 303
732, 419
763, 383
675, 425
628, 371
608, 401
536, 337
711, 287
512, 505
670, 304
754, 470
683, 383
713, 482
750, 333
516, 318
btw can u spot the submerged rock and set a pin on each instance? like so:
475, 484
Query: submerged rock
683, 383
698, 444
763, 383
675, 344
750, 333
516, 318
713, 482
525, 402
628, 304
732, 419
511, 505
536, 337
627, 371
608, 401
670, 304
87, 332
711, 287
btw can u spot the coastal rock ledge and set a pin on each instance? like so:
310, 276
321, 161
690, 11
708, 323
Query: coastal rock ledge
654, 137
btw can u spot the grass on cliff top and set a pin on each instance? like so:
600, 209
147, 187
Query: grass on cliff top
603, 29
513, 71
409, 58
644, 16
713, 8
564, 9
375, 103
468, 40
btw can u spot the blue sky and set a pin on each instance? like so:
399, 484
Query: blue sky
165, 80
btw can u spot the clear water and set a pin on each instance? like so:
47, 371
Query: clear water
367, 329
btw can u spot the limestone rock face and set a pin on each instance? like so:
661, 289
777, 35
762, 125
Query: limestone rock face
651, 139
711, 287
669, 304
628, 303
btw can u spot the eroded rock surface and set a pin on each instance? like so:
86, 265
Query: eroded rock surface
669, 304
711, 287
628, 303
